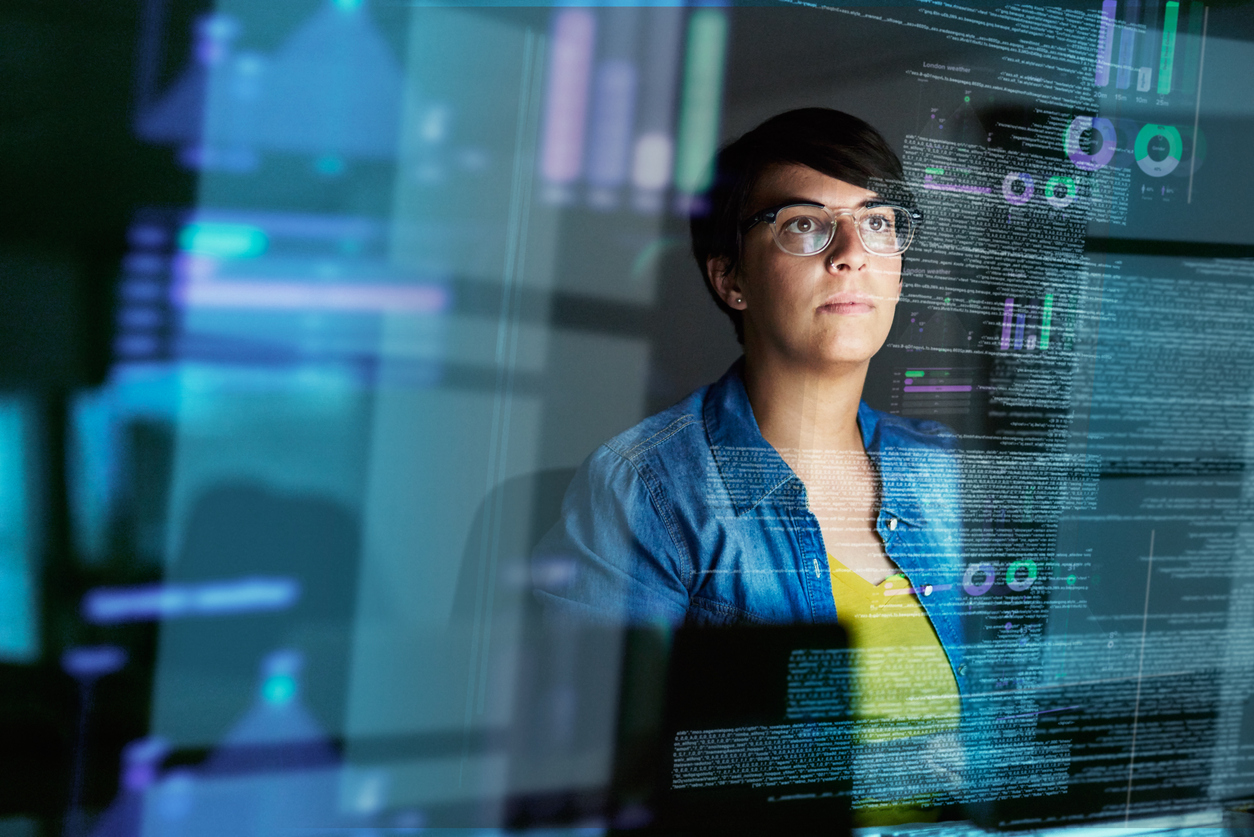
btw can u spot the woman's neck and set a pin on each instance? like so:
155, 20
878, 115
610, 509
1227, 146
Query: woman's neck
799, 409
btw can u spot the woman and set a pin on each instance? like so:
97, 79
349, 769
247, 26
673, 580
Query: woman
733, 505
776, 495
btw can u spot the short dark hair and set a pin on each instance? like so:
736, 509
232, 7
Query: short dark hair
829, 141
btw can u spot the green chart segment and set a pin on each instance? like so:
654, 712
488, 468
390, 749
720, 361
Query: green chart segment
1047, 318
1166, 62
701, 100
934, 393
1172, 29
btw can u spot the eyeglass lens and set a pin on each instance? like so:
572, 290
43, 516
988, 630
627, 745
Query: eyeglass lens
806, 230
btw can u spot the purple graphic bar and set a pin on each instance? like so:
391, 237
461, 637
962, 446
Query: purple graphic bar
92, 661
1105, 43
1127, 43
1020, 322
149, 602
939, 389
1006, 319
613, 117
566, 105
299, 296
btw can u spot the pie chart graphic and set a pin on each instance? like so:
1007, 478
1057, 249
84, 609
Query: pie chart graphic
978, 588
1158, 138
1075, 133
1028, 188
1013, 581
1060, 192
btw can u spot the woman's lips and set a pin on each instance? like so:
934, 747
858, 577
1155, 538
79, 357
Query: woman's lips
846, 307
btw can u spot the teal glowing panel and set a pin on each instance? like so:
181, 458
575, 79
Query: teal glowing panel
18, 635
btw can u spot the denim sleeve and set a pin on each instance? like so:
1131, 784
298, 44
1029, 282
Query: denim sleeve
611, 558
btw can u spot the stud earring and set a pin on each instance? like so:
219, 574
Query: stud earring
738, 299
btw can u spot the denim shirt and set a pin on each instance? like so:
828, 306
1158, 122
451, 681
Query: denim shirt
693, 517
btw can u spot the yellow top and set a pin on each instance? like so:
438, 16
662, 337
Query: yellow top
902, 682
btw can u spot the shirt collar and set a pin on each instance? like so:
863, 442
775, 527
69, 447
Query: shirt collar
901, 485
752, 470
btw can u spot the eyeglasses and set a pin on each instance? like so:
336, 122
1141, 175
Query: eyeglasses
804, 229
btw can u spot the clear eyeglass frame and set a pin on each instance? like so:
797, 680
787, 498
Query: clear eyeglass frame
906, 226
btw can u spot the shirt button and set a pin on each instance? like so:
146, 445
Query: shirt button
927, 590
892, 523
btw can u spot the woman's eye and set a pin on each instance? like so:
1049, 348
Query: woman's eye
877, 224
801, 225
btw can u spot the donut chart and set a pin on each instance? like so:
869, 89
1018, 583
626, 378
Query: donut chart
1008, 192
1175, 149
1012, 574
984, 585
1103, 155
1052, 188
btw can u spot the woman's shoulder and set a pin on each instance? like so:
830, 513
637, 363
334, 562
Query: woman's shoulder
679, 426
637, 470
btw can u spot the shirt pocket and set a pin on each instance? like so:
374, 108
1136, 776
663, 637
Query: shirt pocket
703, 612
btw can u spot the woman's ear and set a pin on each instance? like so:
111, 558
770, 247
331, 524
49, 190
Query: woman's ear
725, 282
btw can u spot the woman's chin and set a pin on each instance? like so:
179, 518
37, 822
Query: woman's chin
842, 358
835, 353
847, 349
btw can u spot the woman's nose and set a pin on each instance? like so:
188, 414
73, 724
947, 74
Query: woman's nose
846, 251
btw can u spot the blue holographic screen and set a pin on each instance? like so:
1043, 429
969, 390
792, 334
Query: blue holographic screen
315, 305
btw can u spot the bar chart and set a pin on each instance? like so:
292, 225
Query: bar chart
1149, 47
932, 392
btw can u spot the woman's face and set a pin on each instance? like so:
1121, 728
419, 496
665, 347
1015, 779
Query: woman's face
832, 309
